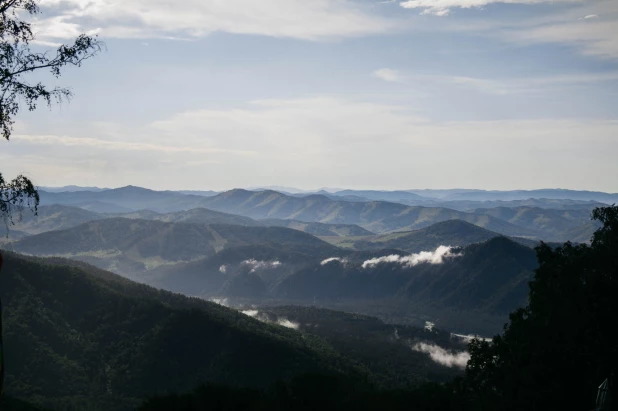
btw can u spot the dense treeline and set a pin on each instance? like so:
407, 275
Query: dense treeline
90, 340
553, 354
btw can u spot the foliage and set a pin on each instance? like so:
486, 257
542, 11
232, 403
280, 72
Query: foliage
15, 195
307, 392
90, 340
17, 61
556, 351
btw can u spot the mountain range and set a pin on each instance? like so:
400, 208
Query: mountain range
543, 223
77, 337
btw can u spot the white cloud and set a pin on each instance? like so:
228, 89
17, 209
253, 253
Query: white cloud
436, 257
261, 265
442, 356
334, 259
442, 7
307, 141
284, 322
308, 20
251, 313
469, 337
594, 37
220, 301
390, 75
103, 144
223, 269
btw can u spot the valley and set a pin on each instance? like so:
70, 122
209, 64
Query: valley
377, 291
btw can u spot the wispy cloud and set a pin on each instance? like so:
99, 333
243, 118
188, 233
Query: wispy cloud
333, 260
442, 356
436, 257
443, 7
389, 75
256, 265
282, 321
331, 136
307, 20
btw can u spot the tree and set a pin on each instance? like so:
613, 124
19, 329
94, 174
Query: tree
555, 352
17, 62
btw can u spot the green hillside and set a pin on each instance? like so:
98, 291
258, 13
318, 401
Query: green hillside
48, 218
490, 276
455, 233
133, 247
320, 229
90, 340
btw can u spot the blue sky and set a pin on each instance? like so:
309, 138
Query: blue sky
211, 94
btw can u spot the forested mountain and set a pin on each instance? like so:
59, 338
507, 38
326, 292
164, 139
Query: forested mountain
378, 217
49, 218
128, 199
490, 276
274, 262
201, 216
79, 338
244, 271
453, 232
553, 224
320, 229
133, 246
558, 352
514, 195
92, 340
524, 218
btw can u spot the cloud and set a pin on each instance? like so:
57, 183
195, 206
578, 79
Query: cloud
516, 85
223, 269
470, 337
102, 144
442, 356
331, 135
390, 75
443, 7
334, 259
436, 257
251, 313
261, 265
307, 20
284, 322
594, 37
220, 301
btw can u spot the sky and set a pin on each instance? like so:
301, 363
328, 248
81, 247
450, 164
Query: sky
212, 94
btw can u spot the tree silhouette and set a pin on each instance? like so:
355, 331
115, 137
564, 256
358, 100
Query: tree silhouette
17, 61
556, 352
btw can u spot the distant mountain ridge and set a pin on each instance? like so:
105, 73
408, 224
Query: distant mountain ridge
133, 247
375, 216
492, 276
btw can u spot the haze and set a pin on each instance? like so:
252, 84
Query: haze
354, 94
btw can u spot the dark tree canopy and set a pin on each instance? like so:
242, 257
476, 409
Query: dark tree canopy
17, 61
556, 352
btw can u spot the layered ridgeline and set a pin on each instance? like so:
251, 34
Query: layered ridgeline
133, 246
61, 217
215, 261
490, 276
537, 220
77, 337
